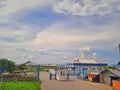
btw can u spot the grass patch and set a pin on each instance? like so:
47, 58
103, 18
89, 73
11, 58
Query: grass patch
21, 85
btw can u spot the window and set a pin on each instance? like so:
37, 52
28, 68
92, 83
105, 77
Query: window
93, 68
85, 68
99, 68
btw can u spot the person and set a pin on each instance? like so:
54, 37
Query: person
50, 76
55, 74
86, 77
67, 76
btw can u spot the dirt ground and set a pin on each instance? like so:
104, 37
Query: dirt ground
72, 84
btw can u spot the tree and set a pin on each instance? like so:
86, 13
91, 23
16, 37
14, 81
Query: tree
23, 67
7, 65
109, 67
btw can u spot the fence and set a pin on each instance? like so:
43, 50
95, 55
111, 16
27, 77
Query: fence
30, 74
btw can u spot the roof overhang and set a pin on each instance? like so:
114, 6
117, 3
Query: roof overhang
86, 64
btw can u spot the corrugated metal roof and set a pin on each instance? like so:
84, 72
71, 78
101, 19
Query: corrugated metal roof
115, 71
86, 61
118, 68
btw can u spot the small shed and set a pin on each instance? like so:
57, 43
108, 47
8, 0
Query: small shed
108, 75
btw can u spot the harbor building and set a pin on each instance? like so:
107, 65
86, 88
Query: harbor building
83, 66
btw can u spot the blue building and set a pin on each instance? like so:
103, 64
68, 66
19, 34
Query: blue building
82, 67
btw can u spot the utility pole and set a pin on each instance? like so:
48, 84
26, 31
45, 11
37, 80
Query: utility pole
119, 48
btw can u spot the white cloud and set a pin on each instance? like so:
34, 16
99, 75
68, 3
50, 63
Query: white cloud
87, 7
55, 37
11, 7
13, 39
20, 34
60, 36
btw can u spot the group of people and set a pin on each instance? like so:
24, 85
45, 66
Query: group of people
52, 73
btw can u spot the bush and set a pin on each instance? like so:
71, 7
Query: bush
7, 65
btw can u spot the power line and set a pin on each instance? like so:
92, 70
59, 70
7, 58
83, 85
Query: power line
108, 53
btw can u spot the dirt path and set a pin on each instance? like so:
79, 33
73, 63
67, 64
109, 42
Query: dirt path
72, 84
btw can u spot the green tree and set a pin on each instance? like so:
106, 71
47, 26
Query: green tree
109, 67
23, 67
7, 65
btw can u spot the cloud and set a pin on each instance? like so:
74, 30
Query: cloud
11, 7
20, 34
61, 36
12, 39
51, 44
87, 7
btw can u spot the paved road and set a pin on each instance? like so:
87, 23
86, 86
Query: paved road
72, 84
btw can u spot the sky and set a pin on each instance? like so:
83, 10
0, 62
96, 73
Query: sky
56, 31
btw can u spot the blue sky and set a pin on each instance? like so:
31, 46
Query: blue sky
56, 31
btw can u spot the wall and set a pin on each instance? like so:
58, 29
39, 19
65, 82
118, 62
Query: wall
87, 69
116, 84
105, 77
